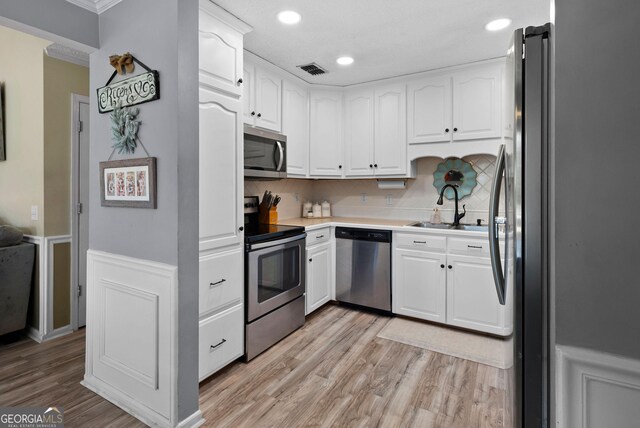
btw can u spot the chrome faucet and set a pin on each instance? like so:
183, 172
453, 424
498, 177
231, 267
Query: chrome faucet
456, 216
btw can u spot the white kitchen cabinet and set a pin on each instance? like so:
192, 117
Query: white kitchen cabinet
471, 295
419, 285
295, 125
458, 106
319, 276
262, 98
220, 53
221, 168
359, 133
477, 96
325, 133
390, 147
429, 110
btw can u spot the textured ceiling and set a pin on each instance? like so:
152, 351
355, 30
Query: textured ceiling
386, 37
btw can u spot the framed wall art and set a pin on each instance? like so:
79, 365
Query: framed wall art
129, 183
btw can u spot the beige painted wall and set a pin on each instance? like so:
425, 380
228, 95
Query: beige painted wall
61, 79
22, 174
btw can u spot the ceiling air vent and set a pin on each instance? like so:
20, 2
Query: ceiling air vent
313, 69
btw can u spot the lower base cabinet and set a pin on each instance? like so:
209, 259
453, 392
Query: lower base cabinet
319, 276
221, 340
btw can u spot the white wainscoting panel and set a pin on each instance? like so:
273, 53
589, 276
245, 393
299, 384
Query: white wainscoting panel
596, 390
131, 335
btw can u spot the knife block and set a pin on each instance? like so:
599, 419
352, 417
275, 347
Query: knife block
268, 216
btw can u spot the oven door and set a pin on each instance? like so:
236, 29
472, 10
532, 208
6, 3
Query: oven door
275, 275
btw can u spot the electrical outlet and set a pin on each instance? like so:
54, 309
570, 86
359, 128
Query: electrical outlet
296, 197
389, 200
363, 198
34, 212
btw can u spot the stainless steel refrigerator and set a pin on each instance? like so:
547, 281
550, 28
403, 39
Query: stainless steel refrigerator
521, 183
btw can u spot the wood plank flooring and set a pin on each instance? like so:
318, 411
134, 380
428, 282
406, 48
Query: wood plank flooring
332, 372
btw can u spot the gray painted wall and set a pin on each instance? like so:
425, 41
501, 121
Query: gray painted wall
597, 260
55, 17
165, 39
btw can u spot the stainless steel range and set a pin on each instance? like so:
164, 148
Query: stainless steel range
274, 281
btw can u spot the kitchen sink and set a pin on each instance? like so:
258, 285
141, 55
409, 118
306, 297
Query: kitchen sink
449, 226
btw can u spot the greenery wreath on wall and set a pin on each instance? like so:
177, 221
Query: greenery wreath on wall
124, 128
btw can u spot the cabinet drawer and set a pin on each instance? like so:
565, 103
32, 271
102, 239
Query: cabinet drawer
472, 247
416, 241
318, 236
221, 340
221, 280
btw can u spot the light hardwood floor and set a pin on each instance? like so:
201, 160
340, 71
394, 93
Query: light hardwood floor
332, 372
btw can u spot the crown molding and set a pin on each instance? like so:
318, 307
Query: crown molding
95, 6
67, 54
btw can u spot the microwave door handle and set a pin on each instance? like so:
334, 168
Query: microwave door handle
280, 157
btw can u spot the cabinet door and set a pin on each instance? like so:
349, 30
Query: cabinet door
358, 133
220, 170
471, 296
325, 147
248, 94
391, 130
319, 276
419, 285
295, 125
429, 114
476, 103
268, 100
220, 53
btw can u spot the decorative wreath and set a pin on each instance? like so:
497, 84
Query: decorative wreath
124, 128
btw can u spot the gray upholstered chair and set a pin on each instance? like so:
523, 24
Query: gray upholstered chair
16, 270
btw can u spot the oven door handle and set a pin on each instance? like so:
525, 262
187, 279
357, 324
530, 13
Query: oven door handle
276, 243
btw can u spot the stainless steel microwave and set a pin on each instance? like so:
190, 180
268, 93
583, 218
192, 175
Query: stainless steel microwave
265, 154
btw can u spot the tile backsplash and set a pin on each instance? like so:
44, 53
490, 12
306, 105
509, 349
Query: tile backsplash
363, 198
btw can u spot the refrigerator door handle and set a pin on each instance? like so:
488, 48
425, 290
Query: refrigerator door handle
494, 221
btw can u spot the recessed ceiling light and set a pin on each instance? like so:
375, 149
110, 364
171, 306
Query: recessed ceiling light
289, 17
345, 60
498, 24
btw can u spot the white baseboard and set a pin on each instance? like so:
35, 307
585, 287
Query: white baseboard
57, 333
34, 334
595, 389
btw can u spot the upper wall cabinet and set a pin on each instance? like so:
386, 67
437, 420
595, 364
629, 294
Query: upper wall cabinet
220, 55
390, 146
295, 125
464, 105
262, 98
359, 132
325, 133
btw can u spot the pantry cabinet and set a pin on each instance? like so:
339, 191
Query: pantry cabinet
325, 134
320, 275
295, 125
458, 106
262, 98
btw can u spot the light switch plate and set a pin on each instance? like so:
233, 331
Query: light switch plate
34, 212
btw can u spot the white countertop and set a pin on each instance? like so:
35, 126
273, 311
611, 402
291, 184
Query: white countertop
374, 223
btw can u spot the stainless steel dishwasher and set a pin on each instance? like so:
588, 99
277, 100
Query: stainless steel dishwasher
363, 267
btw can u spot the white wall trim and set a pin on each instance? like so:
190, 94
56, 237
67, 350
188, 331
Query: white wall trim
95, 6
581, 374
152, 289
65, 53
48, 250
40, 330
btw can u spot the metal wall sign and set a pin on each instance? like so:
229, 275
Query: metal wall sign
129, 92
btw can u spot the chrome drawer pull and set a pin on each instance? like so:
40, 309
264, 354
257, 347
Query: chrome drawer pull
475, 246
213, 284
419, 242
319, 236
219, 344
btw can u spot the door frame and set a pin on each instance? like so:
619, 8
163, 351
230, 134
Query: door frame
76, 99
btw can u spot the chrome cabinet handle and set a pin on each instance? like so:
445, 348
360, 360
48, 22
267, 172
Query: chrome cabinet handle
213, 284
494, 248
218, 345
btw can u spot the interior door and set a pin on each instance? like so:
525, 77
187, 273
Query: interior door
82, 211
